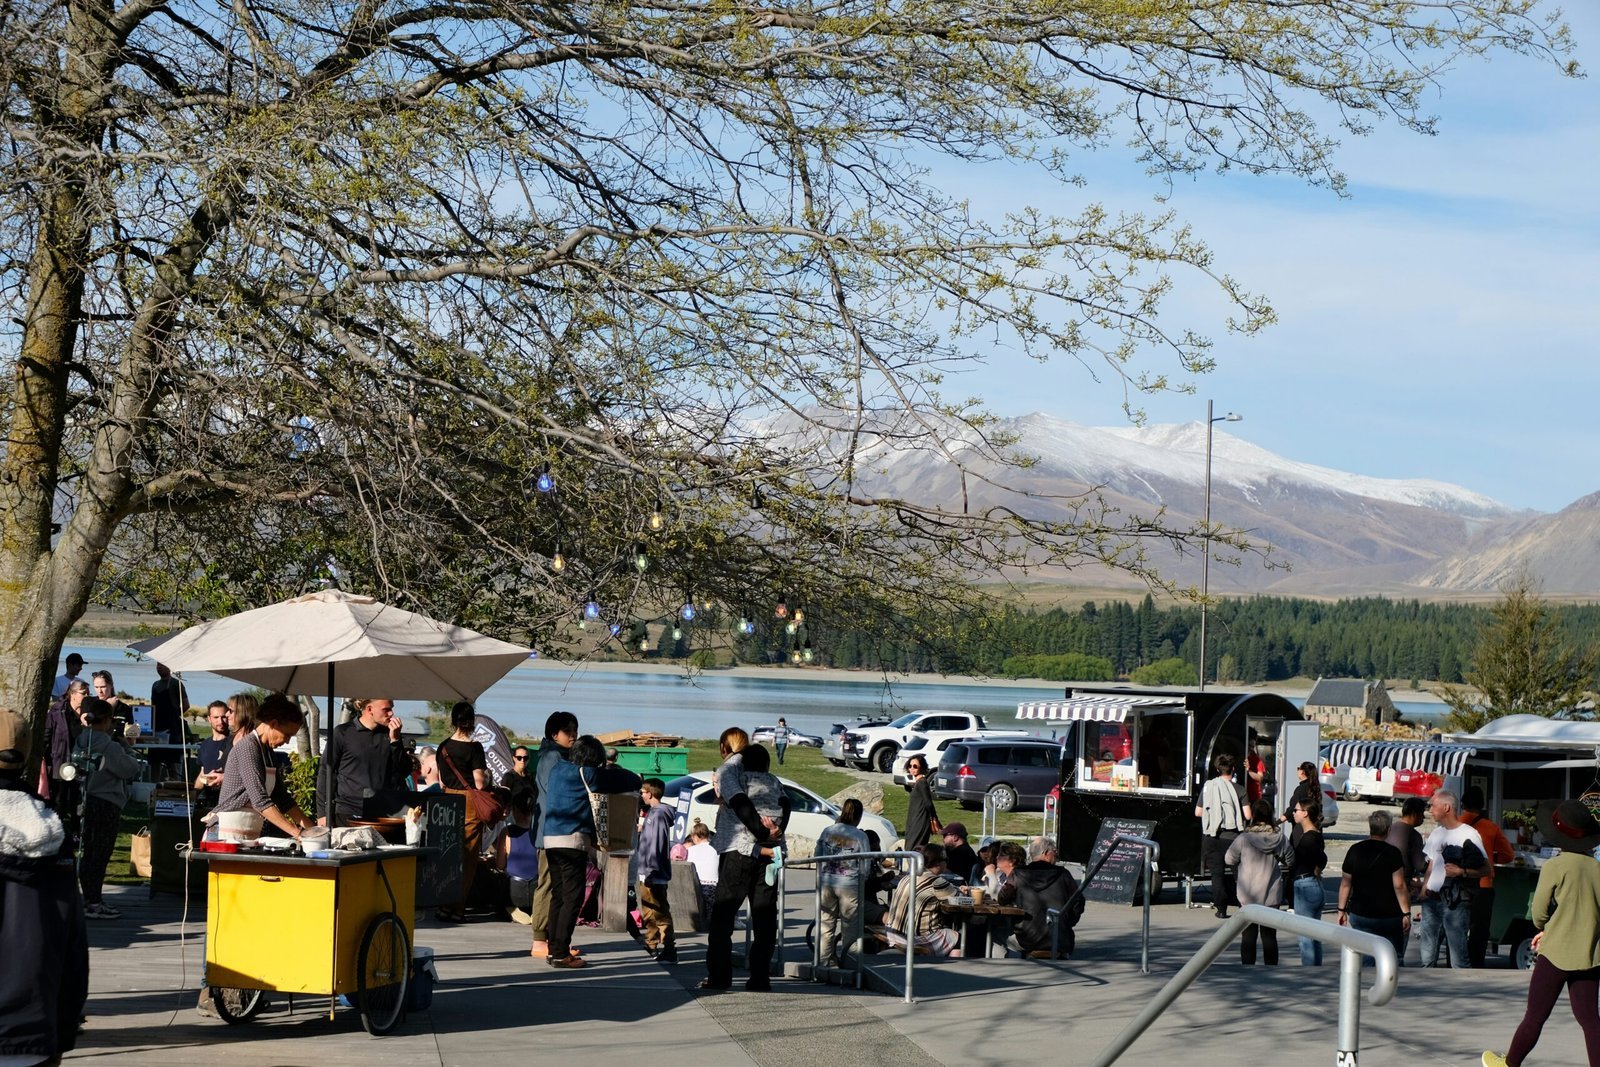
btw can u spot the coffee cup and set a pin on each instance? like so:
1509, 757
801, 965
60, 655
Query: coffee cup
976, 894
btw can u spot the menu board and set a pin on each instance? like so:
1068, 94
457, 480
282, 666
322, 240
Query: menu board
1118, 881
439, 876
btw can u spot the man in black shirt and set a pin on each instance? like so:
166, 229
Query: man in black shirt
960, 858
367, 760
213, 752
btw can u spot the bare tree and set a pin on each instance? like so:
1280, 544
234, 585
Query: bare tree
336, 280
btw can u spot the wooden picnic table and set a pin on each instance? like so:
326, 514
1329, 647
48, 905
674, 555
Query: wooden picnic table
987, 908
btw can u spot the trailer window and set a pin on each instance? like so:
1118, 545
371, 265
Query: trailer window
1148, 753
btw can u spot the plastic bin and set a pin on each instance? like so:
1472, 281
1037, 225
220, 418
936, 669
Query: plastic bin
423, 976
663, 763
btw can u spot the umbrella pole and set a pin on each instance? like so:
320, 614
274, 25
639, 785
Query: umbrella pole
333, 776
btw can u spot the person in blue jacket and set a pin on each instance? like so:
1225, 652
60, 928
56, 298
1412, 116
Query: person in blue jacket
569, 834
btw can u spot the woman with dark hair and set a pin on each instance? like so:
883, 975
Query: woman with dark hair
1258, 854
253, 779
750, 824
921, 817
1305, 876
463, 766
1309, 787
62, 725
569, 835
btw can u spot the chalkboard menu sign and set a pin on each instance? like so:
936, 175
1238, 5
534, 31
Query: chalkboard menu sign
1118, 881
439, 876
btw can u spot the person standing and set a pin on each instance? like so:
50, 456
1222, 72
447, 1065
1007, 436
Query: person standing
1221, 812
105, 792
1498, 850
1305, 876
253, 780
73, 665
169, 702
1258, 854
462, 766
780, 738
922, 819
741, 871
519, 779
560, 734
655, 874
213, 752
365, 764
1374, 896
62, 725
840, 880
1404, 835
1456, 860
106, 690
1566, 910
44, 981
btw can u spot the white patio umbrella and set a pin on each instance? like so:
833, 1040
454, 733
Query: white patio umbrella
339, 644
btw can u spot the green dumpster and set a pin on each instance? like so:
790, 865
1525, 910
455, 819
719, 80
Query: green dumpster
663, 763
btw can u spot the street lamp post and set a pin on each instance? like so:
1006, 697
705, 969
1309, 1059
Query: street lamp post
1205, 560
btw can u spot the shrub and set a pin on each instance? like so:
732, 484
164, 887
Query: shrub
1172, 671
302, 781
703, 659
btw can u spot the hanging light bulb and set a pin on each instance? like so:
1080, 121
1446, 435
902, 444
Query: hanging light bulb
657, 520
583, 623
545, 482
677, 633
806, 654
791, 628
745, 625
687, 612
644, 644
794, 657
782, 610
799, 617
641, 559
616, 628
591, 609
558, 562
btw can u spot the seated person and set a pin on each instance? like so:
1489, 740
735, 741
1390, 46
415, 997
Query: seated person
1038, 887
935, 931
960, 859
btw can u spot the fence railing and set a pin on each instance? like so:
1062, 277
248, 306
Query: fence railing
1353, 944
1152, 858
915, 859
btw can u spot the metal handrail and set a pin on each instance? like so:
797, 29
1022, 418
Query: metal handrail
816, 943
1353, 945
1049, 824
1152, 859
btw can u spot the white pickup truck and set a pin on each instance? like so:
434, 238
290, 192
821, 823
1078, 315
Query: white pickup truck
875, 747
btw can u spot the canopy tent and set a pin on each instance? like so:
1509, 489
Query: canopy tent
340, 644
1094, 708
1435, 757
1532, 731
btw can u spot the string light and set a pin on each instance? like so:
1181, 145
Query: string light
794, 657
558, 562
687, 612
745, 625
546, 482
799, 617
782, 610
791, 628
641, 559
806, 653
591, 609
677, 633
644, 644
616, 628
657, 520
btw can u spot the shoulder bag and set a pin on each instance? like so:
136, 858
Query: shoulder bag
485, 804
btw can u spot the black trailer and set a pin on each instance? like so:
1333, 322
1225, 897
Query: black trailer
1146, 754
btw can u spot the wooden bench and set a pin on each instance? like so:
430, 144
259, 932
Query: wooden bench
881, 935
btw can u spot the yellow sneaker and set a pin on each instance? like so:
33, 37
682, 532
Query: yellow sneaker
1494, 1059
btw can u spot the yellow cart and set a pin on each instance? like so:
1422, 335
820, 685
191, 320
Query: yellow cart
335, 926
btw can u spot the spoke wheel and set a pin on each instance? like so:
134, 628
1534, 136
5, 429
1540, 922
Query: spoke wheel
235, 1006
883, 759
383, 973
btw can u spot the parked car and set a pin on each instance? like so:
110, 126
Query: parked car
809, 814
833, 744
1018, 774
933, 747
874, 747
762, 735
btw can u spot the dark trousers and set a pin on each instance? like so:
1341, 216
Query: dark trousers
567, 866
780, 749
1391, 927
740, 878
1478, 926
1583, 992
1269, 944
1222, 895
100, 822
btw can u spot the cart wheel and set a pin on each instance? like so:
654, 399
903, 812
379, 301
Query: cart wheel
383, 973
235, 1006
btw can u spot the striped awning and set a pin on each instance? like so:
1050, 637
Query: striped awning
1435, 757
1092, 709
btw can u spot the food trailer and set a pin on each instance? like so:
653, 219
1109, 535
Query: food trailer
1146, 754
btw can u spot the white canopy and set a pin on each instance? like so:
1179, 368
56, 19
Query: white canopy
1533, 731
1093, 709
379, 650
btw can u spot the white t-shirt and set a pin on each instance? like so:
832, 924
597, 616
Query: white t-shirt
705, 860
1434, 850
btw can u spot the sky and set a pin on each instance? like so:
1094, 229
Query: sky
1441, 321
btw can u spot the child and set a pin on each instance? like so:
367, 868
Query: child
655, 872
705, 861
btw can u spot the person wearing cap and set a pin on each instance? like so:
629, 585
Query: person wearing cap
1566, 910
45, 980
105, 791
960, 858
73, 665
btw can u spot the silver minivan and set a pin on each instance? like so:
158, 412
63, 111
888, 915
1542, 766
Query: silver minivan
1018, 774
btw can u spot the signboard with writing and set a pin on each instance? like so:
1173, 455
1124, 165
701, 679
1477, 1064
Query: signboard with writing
444, 827
1118, 881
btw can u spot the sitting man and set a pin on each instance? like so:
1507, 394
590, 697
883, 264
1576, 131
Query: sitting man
960, 859
1041, 886
934, 930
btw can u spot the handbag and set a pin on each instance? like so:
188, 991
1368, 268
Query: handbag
485, 804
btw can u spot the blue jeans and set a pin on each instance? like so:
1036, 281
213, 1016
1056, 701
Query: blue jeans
1447, 924
1308, 901
1391, 927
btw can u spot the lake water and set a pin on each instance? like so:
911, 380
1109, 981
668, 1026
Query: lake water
607, 699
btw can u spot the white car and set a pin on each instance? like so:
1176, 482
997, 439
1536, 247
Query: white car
809, 814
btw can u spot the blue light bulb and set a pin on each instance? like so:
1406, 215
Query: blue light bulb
545, 482
686, 612
591, 610
616, 628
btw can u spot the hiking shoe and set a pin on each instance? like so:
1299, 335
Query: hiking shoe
667, 956
204, 1005
1493, 1059
100, 911
568, 962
